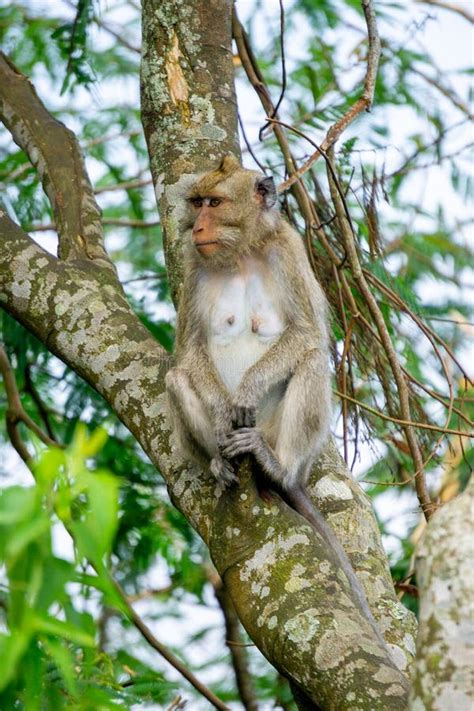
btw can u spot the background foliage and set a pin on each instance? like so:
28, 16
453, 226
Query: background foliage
405, 174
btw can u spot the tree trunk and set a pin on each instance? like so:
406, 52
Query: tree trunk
443, 674
286, 588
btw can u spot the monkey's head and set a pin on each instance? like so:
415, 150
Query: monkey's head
232, 211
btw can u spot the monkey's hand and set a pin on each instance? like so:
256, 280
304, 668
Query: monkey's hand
223, 470
250, 440
243, 416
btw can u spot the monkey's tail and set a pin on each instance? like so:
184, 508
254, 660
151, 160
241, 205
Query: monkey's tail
300, 502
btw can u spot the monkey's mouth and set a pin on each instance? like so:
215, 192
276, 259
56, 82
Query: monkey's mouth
204, 244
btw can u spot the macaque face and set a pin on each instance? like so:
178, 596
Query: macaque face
228, 217
208, 224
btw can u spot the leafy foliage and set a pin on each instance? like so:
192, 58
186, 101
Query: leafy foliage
64, 639
50, 649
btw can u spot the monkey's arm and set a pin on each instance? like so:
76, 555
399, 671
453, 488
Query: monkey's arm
304, 307
279, 363
193, 357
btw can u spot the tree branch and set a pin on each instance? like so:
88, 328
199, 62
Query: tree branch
453, 7
444, 564
54, 152
165, 652
347, 233
16, 413
363, 103
237, 650
82, 316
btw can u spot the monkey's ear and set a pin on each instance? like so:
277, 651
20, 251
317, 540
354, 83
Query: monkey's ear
265, 187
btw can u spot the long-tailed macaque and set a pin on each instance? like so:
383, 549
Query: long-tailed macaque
252, 344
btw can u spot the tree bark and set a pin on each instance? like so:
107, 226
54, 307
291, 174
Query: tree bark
443, 674
285, 585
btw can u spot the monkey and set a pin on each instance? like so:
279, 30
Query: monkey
252, 345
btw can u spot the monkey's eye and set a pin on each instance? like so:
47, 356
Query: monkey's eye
196, 202
214, 202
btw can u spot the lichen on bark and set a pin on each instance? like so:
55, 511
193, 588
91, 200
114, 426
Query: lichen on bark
443, 675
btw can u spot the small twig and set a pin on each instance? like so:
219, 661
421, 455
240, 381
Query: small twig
177, 703
152, 592
453, 7
283, 68
106, 221
165, 652
249, 145
16, 413
364, 102
126, 185
145, 277
112, 137
444, 90
42, 409
407, 164
404, 423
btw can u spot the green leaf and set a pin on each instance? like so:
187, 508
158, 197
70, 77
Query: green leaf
64, 660
26, 533
51, 626
17, 503
12, 649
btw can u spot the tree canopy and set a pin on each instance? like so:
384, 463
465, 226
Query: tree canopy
372, 166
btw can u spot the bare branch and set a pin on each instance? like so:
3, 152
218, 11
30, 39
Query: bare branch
364, 102
165, 652
404, 423
117, 221
347, 233
237, 648
126, 185
446, 91
53, 150
43, 411
16, 413
453, 7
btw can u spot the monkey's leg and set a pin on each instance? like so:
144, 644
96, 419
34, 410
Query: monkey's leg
299, 425
251, 440
194, 428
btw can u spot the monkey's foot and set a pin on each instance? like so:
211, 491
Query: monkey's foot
250, 440
246, 440
223, 471
243, 416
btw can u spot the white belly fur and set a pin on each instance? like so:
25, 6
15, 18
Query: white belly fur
233, 359
242, 317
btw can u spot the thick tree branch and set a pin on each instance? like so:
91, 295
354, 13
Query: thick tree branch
444, 564
53, 150
234, 534
188, 102
14, 415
